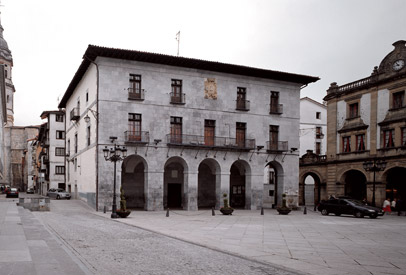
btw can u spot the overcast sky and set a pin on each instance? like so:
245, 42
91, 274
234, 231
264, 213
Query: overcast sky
337, 40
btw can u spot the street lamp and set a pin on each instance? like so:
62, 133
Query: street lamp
374, 166
114, 154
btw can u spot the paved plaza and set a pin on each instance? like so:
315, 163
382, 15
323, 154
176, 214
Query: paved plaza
310, 243
74, 239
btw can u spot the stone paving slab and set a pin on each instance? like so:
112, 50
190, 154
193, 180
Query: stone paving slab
309, 243
26, 246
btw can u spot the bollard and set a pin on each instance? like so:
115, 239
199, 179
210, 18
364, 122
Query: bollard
104, 210
167, 212
262, 211
304, 211
212, 212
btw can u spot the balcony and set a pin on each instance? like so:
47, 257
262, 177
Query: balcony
276, 109
242, 105
75, 114
278, 146
178, 98
210, 142
136, 137
136, 94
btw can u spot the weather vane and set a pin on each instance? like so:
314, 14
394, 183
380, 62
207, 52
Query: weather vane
177, 39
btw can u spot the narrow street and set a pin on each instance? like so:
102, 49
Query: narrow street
107, 247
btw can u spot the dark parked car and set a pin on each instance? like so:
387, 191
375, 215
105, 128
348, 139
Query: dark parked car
12, 192
58, 193
350, 207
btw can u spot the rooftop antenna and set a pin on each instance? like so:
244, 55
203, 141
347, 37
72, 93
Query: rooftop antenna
177, 39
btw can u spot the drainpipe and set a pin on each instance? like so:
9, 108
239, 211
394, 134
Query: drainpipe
97, 131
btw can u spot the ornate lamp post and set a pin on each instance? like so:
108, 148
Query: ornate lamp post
114, 154
374, 166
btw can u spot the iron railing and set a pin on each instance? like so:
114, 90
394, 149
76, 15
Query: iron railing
75, 114
209, 141
136, 137
136, 94
276, 109
277, 146
179, 98
242, 105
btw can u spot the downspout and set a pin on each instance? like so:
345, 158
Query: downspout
97, 131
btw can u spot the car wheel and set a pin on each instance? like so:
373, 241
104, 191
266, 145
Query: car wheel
68, 198
374, 216
337, 214
358, 214
324, 212
57, 197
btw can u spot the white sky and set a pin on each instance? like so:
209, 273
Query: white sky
337, 40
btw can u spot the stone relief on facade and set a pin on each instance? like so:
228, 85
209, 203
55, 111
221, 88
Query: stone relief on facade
210, 88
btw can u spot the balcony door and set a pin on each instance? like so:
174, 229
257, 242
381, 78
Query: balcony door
135, 85
240, 134
134, 127
273, 137
274, 102
241, 98
209, 132
176, 130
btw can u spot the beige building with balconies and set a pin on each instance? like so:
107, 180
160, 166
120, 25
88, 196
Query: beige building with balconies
366, 122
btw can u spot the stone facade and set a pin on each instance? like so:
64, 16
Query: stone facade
366, 122
193, 130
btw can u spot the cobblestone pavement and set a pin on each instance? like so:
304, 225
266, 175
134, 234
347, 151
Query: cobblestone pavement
106, 246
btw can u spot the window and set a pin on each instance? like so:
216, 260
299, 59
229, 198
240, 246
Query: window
88, 135
8, 98
318, 115
318, 148
353, 110
62, 185
241, 98
346, 144
76, 143
135, 85
59, 118
134, 127
388, 136
87, 97
274, 102
60, 151
209, 132
360, 141
176, 130
240, 134
76, 164
273, 137
59, 170
68, 147
398, 99
318, 132
60, 134
176, 95
403, 133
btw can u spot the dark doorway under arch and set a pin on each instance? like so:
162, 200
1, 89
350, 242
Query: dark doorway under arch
395, 184
355, 185
133, 182
206, 187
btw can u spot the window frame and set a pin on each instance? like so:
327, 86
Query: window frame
388, 138
398, 100
59, 118
346, 146
353, 110
61, 151
59, 170
360, 143
60, 133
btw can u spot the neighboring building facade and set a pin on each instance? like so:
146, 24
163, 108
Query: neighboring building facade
366, 122
52, 158
194, 130
313, 126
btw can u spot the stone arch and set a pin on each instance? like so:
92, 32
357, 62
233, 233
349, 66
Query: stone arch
310, 193
175, 179
134, 181
240, 184
208, 184
395, 183
274, 183
355, 184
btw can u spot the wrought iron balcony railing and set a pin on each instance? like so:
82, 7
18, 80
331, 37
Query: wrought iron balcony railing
210, 141
242, 105
277, 146
136, 94
136, 137
178, 98
75, 114
276, 109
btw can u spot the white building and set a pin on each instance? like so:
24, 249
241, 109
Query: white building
313, 126
52, 141
194, 130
